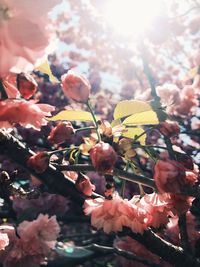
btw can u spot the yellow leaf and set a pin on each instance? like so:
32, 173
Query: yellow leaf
72, 115
115, 122
133, 132
129, 107
45, 68
143, 118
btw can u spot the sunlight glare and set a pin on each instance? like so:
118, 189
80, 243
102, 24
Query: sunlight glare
131, 17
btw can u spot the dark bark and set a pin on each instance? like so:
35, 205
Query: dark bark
54, 179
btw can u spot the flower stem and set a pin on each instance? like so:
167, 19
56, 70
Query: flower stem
61, 150
84, 129
95, 120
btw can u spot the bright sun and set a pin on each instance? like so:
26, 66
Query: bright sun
131, 17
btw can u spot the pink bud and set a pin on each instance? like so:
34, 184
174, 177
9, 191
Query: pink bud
61, 133
26, 85
103, 157
75, 86
39, 162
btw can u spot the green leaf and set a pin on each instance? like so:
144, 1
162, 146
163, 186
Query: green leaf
143, 118
45, 68
133, 132
72, 115
129, 107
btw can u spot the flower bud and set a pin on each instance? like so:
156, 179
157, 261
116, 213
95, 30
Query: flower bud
26, 85
39, 162
84, 185
61, 133
169, 128
103, 157
75, 86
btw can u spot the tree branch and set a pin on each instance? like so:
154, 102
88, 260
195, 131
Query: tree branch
128, 255
131, 177
54, 179
168, 252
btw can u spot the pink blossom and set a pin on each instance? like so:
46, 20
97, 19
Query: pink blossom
84, 185
112, 215
170, 95
179, 203
172, 230
37, 239
169, 176
27, 113
43, 228
9, 83
157, 207
19, 49
4, 241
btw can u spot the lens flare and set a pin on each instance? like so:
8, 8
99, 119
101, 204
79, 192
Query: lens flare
131, 17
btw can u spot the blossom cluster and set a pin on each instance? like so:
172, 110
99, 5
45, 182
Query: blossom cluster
30, 243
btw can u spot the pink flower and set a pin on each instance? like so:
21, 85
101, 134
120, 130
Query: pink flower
43, 228
169, 176
4, 241
112, 215
23, 33
179, 203
169, 95
9, 83
27, 113
157, 207
172, 230
37, 239
84, 185
75, 86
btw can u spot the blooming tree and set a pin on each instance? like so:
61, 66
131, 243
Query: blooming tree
96, 176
